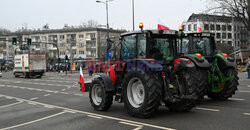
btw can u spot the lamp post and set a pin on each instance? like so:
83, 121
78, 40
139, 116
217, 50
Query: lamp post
133, 15
106, 3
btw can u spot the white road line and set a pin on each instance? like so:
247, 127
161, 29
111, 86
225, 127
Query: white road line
34, 98
207, 109
11, 104
64, 93
248, 114
94, 114
97, 117
48, 106
244, 91
46, 95
30, 122
236, 99
63, 89
138, 126
248, 86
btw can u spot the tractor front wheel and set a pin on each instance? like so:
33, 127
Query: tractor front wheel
141, 93
99, 98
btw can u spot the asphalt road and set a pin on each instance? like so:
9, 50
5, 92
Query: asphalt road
54, 102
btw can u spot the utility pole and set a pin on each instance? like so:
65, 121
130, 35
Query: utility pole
133, 8
70, 51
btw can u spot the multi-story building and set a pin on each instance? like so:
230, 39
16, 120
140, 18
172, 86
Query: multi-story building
227, 30
84, 43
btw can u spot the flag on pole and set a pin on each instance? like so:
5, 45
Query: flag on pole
198, 26
162, 25
81, 82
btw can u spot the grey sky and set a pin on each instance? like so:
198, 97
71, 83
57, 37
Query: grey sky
14, 13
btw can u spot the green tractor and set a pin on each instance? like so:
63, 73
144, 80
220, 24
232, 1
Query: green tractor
218, 70
148, 72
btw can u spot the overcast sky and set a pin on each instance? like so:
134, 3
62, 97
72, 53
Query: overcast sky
36, 13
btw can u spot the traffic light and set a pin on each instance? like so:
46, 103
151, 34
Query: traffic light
66, 59
14, 41
29, 42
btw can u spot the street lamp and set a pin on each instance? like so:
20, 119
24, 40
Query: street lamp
133, 11
106, 3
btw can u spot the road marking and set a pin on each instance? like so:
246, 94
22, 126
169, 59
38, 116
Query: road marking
48, 106
46, 95
64, 93
236, 99
244, 91
138, 126
97, 117
63, 89
94, 114
207, 109
34, 98
248, 114
30, 122
11, 104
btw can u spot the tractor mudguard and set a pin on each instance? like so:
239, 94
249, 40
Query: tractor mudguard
108, 83
182, 63
225, 63
143, 65
202, 63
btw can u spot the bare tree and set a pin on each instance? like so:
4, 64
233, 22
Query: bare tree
4, 31
239, 9
92, 23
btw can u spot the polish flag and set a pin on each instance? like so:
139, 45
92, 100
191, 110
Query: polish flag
198, 26
81, 82
162, 25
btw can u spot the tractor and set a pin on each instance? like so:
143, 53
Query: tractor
148, 74
220, 71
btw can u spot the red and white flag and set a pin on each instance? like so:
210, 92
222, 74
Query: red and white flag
198, 26
81, 82
162, 25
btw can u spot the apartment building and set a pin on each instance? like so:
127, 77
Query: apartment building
227, 30
84, 43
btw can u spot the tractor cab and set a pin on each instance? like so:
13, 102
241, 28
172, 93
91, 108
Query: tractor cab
149, 44
197, 43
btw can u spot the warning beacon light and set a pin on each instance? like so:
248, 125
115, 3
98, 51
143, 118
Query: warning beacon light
180, 28
141, 26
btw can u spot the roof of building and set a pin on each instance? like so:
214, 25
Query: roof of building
210, 18
32, 32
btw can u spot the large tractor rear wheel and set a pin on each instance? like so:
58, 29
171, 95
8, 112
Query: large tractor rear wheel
99, 98
141, 93
202, 80
189, 83
228, 88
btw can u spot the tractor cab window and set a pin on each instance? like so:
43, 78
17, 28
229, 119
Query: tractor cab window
141, 45
202, 45
162, 49
128, 47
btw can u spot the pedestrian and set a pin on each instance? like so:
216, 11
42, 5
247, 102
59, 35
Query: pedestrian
91, 67
248, 67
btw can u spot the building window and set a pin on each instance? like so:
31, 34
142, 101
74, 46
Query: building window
229, 35
229, 43
73, 44
206, 27
195, 27
212, 27
218, 42
62, 53
44, 38
224, 35
218, 35
189, 27
81, 52
184, 27
218, 27
62, 45
229, 28
81, 45
224, 28
81, 36
61, 37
